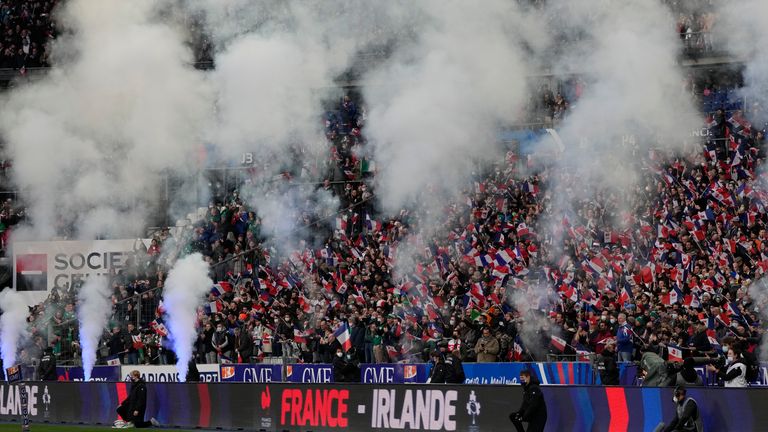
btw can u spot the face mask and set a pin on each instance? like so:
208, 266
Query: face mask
613, 321
603, 318
730, 359
338, 354
453, 322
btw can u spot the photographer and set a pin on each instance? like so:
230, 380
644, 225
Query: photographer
734, 374
687, 376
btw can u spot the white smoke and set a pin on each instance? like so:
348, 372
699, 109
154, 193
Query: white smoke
13, 325
439, 102
634, 99
740, 27
184, 292
121, 107
94, 309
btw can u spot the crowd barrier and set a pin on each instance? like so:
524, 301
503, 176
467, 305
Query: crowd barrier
568, 373
379, 407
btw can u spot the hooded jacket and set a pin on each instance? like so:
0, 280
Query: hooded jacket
656, 370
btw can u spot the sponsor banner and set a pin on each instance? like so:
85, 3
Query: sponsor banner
309, 373
99, 373
11, 398
394, 373
259, 373
548, 373
381, 407
38, 267
208, 373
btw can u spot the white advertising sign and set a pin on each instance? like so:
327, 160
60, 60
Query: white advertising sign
38, 267
208, 372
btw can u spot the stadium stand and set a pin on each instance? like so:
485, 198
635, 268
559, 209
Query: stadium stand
676, 267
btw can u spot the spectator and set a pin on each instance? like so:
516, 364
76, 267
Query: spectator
222, 344
625, 339
244, 343
606, 364
487, 347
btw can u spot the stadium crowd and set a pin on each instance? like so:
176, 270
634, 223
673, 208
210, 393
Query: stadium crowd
671, 273
512, 276
26, 28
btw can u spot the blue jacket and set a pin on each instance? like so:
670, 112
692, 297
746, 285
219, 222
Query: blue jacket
624, 341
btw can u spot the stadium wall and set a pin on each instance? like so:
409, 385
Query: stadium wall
321, 407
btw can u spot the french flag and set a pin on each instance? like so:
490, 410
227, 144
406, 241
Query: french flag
597, 265
503, 257
215, 307
371, 224
221, 288
342, 335
626, 295
483, 260
558, 343
675, 353
341, 223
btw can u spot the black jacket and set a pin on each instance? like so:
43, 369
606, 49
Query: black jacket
193, 375
137, 398
439, 373
609, 371
344, 371
454, 373
47, 368
533, 410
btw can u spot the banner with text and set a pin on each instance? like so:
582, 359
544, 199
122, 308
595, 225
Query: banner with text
38, 267
208, 373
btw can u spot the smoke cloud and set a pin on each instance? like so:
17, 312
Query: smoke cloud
634, 99
741, 28
122, 107
439, 101
93, 313
187, 284
13, 328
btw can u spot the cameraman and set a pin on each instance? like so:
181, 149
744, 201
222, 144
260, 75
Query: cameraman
734, 374
687, 376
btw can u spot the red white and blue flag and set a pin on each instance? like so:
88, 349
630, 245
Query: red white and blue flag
343, 336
